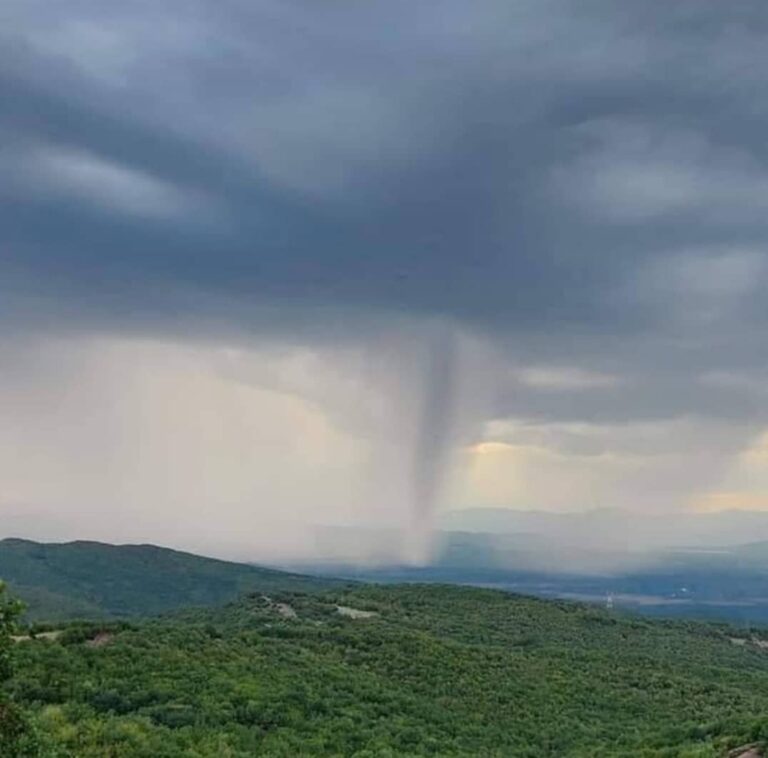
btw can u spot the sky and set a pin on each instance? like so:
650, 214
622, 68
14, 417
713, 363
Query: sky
266, 265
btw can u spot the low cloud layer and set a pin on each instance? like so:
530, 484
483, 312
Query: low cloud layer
230, 232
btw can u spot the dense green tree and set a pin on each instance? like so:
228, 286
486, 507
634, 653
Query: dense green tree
16, 738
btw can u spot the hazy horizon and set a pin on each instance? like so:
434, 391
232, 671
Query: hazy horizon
606, 540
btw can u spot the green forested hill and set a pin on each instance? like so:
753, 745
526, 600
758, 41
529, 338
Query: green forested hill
400, 670
93, 580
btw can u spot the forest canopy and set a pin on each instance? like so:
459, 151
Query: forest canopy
399, 670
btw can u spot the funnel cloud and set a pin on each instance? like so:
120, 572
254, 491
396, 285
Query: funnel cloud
434, 438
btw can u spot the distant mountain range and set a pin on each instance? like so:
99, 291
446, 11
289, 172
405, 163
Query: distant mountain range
698, 565
615, 529
93, 580
598, 541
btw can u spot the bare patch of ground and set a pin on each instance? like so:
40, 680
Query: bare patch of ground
286, 611
742, 641
746, 751
54, 635
283, 609
355, 613
101, 639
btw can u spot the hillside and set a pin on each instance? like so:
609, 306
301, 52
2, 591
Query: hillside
93, 580
401, 670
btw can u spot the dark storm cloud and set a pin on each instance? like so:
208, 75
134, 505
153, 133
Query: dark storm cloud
583, 182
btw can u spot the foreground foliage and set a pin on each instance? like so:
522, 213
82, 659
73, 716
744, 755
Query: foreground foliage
17, 737
443, 671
